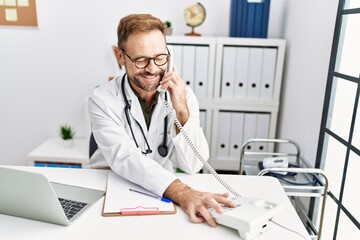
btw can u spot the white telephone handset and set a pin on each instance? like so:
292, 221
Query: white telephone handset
251, 216
170, 65
169, 68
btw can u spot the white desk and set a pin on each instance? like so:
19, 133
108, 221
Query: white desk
91, 225
52, 151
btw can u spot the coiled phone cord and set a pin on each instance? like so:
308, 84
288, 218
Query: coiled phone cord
170, 110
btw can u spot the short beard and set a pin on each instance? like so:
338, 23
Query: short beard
143, 86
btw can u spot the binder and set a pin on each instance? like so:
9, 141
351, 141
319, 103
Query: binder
257, 25
262, 131
236, 135
250, 126
178, 58
255, 67
241, 72
233, 18
250, 20
188, 64
223, 140
201, 71
265, 19
120, 201
268, 74
228, 72
203, 119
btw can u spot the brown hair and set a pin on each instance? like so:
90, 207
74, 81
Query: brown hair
135, 23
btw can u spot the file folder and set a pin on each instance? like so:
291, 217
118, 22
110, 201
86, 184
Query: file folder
120, 201
201, 71
268, 73
188, 64
251, 8
263, 124
255, 67
178, 58
236, 135
249, 19
250, 126
228, 72
223, 135
242, 72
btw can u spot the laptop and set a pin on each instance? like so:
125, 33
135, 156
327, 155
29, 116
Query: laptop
31, 195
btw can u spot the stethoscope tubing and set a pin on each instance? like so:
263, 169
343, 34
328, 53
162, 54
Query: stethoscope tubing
162, 149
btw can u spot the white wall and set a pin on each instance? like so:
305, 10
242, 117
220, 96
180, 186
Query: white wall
46, 72
308, 29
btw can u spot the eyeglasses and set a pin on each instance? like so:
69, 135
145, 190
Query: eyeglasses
143, 62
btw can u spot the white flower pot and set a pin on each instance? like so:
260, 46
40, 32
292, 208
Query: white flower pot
68, 143
168, 31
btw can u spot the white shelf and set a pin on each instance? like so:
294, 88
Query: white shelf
53, 151
214, 102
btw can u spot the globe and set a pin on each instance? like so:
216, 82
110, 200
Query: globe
194, 17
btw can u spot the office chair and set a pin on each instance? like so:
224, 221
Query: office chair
92, 145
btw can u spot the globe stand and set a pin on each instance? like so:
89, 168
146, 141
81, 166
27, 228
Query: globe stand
193, 33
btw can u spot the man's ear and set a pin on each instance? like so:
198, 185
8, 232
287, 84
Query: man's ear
119, 56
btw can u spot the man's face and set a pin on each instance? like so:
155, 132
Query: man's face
149, 44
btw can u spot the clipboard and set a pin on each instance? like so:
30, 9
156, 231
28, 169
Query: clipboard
120, 201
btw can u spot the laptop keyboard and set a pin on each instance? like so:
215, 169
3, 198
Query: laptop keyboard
71, 208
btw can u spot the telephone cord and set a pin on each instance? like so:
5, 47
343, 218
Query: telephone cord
288, 229
170, 110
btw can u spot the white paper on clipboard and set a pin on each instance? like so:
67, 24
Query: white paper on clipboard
118, 197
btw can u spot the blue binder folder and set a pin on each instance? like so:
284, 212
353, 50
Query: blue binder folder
249, 19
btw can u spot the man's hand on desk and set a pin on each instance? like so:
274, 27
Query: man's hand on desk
196, 203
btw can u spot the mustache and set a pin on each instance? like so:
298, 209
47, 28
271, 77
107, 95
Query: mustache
146, 74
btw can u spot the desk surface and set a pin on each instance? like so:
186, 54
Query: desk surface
91, 225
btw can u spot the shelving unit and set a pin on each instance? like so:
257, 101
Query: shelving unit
52, 153
238, 83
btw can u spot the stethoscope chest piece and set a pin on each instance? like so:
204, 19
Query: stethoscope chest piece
163, 150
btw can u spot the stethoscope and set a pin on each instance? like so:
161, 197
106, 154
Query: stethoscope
162, 149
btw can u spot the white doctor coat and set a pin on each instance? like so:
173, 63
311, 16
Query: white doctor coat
118, 150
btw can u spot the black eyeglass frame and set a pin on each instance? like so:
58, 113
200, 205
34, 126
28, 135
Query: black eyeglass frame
168, 55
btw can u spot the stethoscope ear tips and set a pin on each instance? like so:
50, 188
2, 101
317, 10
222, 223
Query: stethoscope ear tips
163, 151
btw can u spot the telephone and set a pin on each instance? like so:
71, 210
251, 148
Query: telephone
169, 67
251, 216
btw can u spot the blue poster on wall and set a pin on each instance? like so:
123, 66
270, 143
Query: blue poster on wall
249, 18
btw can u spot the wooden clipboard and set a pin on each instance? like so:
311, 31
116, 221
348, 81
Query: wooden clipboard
120, 201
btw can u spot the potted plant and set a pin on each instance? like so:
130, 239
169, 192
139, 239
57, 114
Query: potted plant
168, 28
67, 134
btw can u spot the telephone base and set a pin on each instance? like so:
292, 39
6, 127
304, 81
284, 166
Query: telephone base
250, 217
255, 233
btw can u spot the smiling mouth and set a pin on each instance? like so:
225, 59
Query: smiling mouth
147, 76
151, 77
